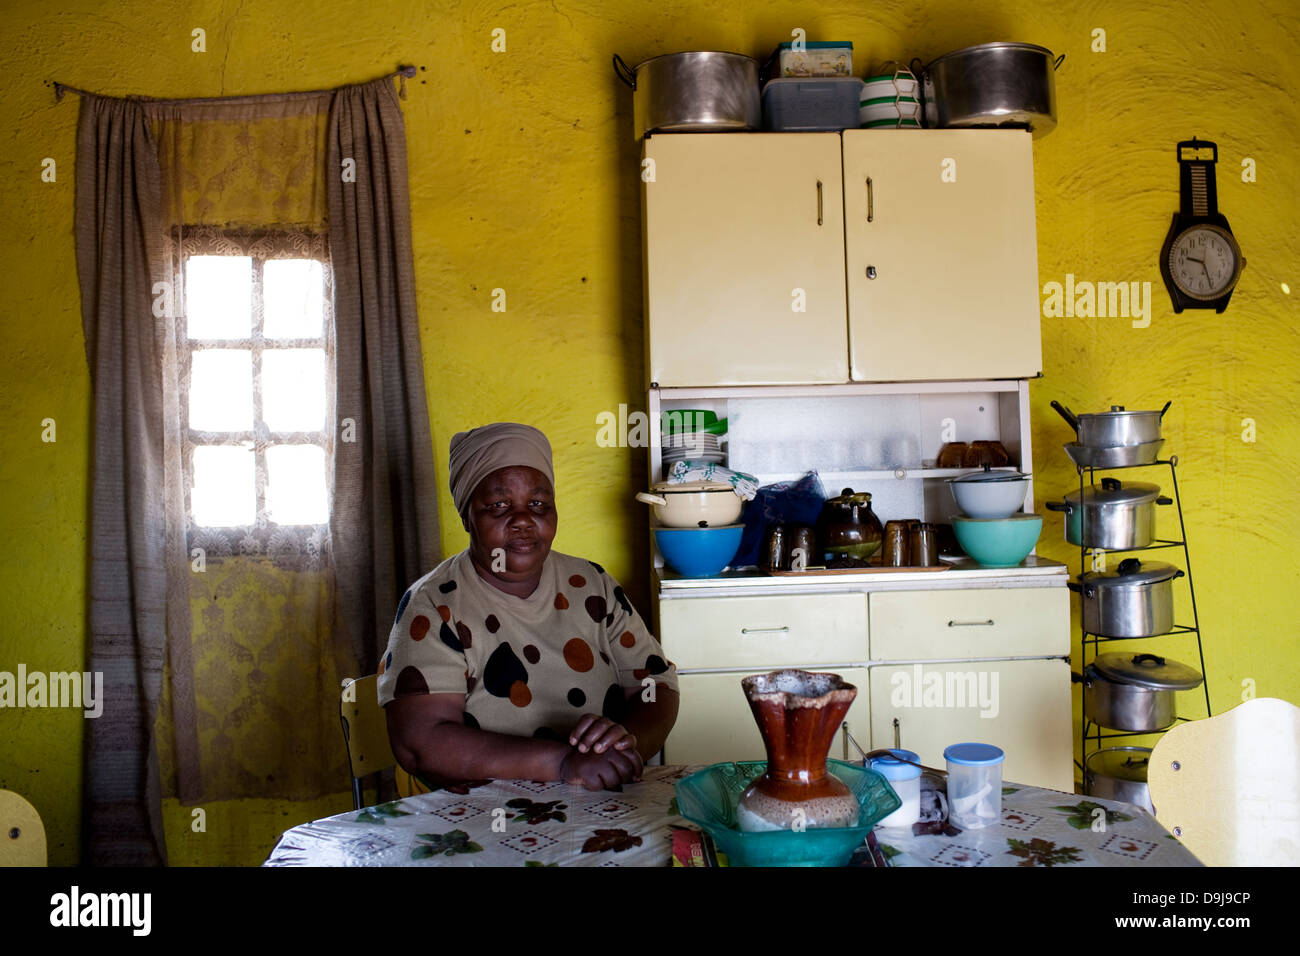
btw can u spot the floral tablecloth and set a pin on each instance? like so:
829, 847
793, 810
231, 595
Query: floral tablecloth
526, 823
1041, 828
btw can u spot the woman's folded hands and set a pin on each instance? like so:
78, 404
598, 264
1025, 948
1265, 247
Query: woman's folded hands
603, 755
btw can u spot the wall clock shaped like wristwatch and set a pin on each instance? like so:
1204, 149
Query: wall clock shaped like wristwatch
1201, 261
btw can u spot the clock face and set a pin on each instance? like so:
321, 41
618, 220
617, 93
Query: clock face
1204, 262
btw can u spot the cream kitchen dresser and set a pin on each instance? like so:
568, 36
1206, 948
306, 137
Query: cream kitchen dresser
850, 302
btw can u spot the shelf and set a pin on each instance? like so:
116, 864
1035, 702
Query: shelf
1161, 543
875, 474
1091, 638
1111, 735
1160, 462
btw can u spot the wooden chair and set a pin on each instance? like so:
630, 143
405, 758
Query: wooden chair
22, 835
365, 732
1228, 787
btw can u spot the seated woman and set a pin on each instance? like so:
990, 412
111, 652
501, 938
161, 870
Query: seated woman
512, 660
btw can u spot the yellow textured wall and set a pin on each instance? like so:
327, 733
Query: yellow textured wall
523, 178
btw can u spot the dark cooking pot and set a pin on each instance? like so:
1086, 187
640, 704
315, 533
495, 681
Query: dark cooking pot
1117, 516
847, 527
1134, 600
1135, 692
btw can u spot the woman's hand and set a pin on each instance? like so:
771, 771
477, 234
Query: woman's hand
597, 734
601, 771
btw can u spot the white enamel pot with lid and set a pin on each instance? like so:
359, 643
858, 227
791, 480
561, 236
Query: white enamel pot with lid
693, 504
989, 493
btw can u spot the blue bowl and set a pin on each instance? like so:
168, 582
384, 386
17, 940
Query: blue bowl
709, 798
998, 542
699, 552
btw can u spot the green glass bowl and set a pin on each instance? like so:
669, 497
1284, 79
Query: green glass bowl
708, 798
998, 542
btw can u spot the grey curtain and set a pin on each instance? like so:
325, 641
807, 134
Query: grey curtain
119, 245
385, 519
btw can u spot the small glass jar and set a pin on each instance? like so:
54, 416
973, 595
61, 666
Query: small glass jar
925, 545
775, 554
896, 550
974, 785
906, 781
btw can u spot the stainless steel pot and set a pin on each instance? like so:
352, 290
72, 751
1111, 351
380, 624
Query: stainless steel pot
1120, 773
1135, 692
1134, 600
994, 84
1115, 456
702, 91
1114, 517
1115, 427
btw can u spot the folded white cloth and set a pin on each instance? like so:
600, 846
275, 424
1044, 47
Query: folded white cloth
691, 469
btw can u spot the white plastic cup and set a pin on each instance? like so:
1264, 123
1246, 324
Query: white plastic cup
906, 781
974, 785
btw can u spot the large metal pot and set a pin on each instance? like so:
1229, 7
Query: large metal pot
994, 84
1114, 517
701, 92
1115, 427
1135, 692
1134, 600
1120, 773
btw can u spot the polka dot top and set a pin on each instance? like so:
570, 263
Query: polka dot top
527, 666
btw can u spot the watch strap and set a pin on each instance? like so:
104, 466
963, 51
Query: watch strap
1198, 192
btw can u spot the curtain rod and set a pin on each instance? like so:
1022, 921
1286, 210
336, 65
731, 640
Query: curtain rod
404, 72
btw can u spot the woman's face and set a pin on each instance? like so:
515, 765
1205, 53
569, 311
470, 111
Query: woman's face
512, 523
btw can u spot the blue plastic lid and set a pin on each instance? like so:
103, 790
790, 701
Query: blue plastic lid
892, 769
973, 755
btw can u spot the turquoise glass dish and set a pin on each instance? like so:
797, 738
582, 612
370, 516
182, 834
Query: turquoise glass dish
708, 798
998, 542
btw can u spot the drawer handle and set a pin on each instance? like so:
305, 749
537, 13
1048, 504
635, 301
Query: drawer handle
819, 202
871, 201
765, 630
988, 623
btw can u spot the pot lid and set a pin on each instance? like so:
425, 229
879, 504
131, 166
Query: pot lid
988, 474
1121, 763
1132, 572
681, 487
1119, 411
892, 768
1147, 670
1112, 491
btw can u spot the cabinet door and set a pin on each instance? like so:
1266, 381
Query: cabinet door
763, 633
944, 220
1021, 706
714, 723
970, 623
744, 259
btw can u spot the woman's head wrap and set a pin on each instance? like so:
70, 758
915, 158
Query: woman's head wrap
477, 453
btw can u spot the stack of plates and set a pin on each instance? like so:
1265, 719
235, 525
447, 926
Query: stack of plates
890, 102
700, 446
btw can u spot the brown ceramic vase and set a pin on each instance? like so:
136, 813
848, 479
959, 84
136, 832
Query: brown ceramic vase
798, 713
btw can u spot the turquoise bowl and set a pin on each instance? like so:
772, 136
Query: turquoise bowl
699, 552
708, 798
998, 542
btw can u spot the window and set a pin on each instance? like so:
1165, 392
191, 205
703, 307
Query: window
257, 390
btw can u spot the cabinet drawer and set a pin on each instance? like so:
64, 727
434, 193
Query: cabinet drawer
766, 632
1009, 622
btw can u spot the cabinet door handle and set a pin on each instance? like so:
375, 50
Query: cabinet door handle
988, 623
871, 202
765, 630
819, 202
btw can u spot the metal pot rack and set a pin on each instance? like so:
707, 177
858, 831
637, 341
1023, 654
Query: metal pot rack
1090, 643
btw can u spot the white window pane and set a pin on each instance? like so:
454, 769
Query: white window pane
219, 297
224, 493
293, 389
221, 390
293, 296
295, 484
